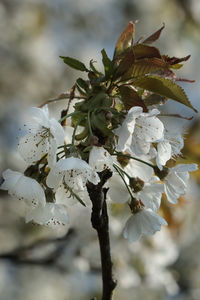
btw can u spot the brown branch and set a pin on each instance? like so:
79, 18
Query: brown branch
100, 223
21, 255
63, 96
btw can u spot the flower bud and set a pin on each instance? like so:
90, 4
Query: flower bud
108, 115
134, 206
136, 184
123, 159
161, 173
94, 140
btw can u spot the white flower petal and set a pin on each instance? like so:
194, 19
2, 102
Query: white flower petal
50, 214
149, 128
32, 147
185, 168
24, 188
164, 153
175, 183
144, 222
125, 131
117, 190
100, 159
139, 169
54, 178
132, 230
57, 131
10, 179
151, 195
52, 153
172, 197
72, 163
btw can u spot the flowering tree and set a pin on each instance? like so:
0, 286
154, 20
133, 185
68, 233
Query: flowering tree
112, 142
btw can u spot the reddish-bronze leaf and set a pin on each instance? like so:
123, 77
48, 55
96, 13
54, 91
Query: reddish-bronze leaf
125, 63
144, 66
174, 60
131, 98
125, 40
144, 51
155, 36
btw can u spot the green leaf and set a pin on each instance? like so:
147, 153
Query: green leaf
155, 36
131, 98
154, 99
74, 63
125, 40
144, 66
163, 87
108, 64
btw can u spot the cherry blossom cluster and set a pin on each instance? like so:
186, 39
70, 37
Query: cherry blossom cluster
115, 123
57, 176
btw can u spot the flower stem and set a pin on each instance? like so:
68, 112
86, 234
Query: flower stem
89, 123
74, 132
135, 158
67, 116
119, 171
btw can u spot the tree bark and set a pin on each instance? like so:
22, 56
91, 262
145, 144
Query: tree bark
100, 223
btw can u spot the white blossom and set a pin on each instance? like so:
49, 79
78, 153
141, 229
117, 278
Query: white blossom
44, 136
172, 142
50, 214
175, 183
145, 222
139, 130
151, 194
23, 188
164, 153
139, 169
74, 172
100, 159
64, 196
117, 189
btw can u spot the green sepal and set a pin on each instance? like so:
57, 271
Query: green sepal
100, 100
100, 124
81, 91
83, 84
82, 135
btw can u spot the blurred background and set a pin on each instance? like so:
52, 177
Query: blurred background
64, 264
